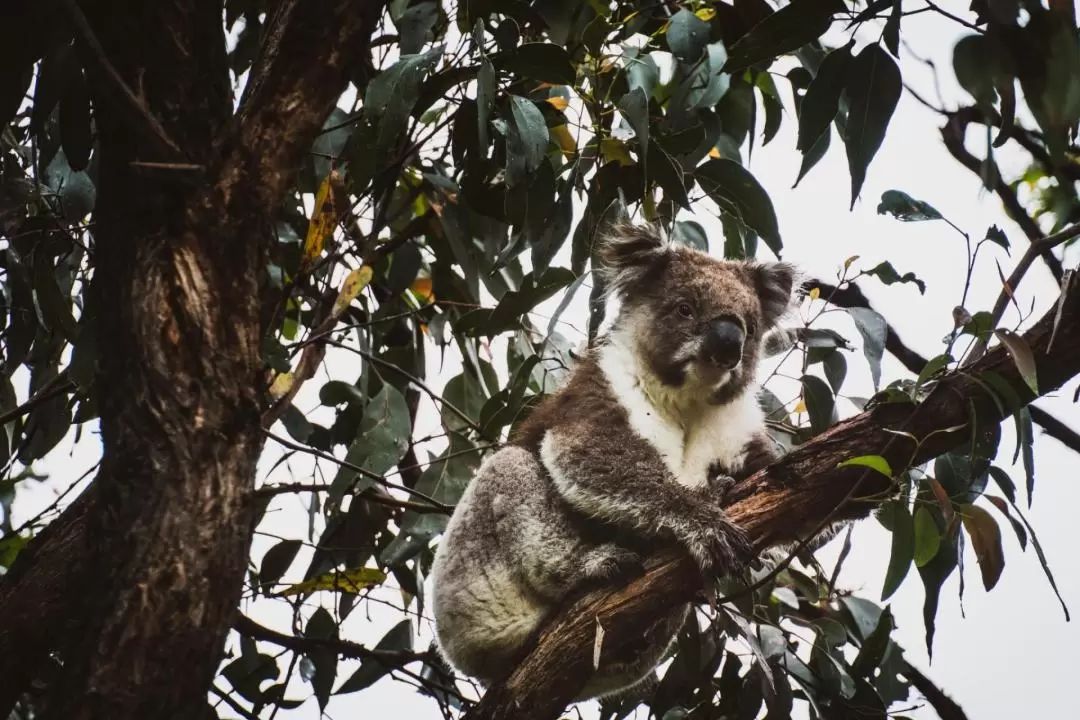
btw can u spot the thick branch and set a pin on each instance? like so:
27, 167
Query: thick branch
799, 491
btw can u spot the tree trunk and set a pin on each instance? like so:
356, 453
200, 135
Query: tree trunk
138, 582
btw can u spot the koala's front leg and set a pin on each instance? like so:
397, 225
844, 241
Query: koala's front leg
630, 487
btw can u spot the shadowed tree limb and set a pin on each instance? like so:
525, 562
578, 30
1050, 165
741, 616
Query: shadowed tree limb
798, 491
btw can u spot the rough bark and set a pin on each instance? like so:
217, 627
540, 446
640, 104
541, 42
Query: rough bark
801, 490
138, 582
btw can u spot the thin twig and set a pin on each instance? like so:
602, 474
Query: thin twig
435, 505
1034, 250
387, 500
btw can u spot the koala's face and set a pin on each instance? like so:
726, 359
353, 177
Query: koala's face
697, 322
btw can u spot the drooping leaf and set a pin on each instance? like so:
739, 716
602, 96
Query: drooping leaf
373, 669
986, 541
934, 574
74, 120
789, 28
933, 366
691, 234
927, 537
1021, 355
737, 192
634, 106
822, 99
904, 207
391, 94
415, 25
277, 560
887, 274
820, 404
667, 173
526, 139
874, 331
873, 89
903, 546
835, 366
1017, 526
381, 442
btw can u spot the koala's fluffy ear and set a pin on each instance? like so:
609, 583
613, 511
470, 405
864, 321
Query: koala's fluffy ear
776, 285
627, 252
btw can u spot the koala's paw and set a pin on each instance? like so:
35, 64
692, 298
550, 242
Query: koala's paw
719, 548
611, 562
720, 484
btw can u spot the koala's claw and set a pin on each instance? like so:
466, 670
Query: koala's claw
610, 562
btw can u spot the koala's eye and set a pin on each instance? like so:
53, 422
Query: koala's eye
685, 310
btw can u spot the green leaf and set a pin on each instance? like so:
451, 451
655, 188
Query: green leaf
822, 99
876, 644
337, 392
667, 173
415, 26
372, 669
975, 63
927, 537
485, 94
1021, 355
933, 367
248, 672
737, 192
934, 574
390, 97
543, 62
277, 560
986, 541
1004, 482
903, 545
1017, 526
526, 139
888, 275
891, 33
515, 304
874, 331
904, 207
873, 89
687, 35
789, 28
380, 443
1026, 440
835, 366
874, 462
819, 403
641, 71
634, 106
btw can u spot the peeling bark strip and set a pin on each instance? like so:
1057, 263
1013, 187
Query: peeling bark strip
800, 490
137, 583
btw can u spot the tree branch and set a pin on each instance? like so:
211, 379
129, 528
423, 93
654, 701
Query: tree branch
797, 491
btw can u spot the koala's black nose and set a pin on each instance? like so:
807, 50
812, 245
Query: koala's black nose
723, 343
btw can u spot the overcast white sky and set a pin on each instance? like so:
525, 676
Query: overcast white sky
1014, 654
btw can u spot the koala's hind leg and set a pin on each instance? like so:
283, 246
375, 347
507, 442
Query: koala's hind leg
549, 546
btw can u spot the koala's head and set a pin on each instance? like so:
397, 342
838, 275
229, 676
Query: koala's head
696, 322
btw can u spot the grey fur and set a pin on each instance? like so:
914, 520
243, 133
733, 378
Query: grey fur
634, 453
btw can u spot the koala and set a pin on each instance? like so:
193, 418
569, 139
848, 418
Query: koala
634, 452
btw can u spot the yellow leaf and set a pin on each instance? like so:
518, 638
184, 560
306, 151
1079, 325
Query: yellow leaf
563, 138
616, 150
847, 263
706, 14
421, 288
558, 102
281, 385
800, 407
353, 285
815, 293
715, 153
323, 217
350, 581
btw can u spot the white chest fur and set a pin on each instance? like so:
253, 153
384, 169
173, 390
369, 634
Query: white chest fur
688, 434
